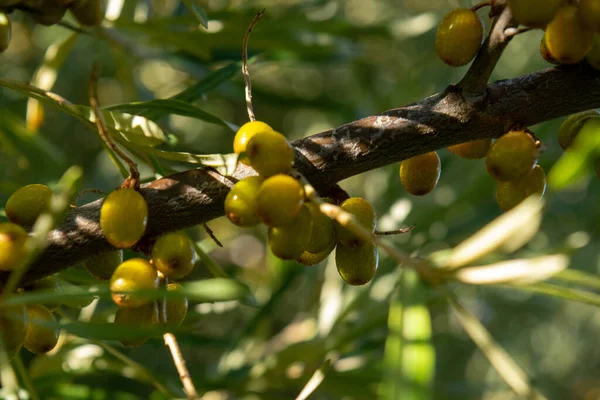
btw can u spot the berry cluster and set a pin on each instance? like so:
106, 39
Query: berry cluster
297, 228
49, 12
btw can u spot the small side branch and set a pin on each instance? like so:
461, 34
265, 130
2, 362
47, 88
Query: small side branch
179, 361
245, 72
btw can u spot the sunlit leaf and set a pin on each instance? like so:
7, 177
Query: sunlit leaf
210, 82
556, 291
518, 272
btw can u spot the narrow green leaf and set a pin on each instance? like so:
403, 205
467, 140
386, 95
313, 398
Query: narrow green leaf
197, 11
214, 268
517, 272
552, 290
409, 360
577, 277
315, 380
210, 82
504, 364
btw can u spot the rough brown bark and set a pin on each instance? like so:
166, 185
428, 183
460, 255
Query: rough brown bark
196, 196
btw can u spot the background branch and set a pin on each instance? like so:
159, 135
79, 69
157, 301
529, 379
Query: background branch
196, 196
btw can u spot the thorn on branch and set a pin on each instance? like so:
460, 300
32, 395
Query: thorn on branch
395, 232
212, 235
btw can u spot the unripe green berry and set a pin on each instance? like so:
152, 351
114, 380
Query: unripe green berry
473, 150
364, 213
288, 242
279, 200
102, 266
509, 194
12, 246
244, 134
176, 308
357, 266
133, 275
270, 153
144, 316
27, 203
41, 336
459, 37
173, 254
569, 129
123, 217
323, 230
240, 203
420, 174
88, 12
534, 13
512, 156
567, 39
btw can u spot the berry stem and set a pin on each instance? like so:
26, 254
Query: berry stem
482, 4
133, 181
212, 235
245, 72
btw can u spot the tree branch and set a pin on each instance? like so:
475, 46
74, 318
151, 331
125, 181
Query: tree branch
196, 196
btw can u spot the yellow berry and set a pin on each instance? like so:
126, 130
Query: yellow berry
512, 156
472, 150
534, 13
144, 317
173, 254
545, 53
357, 266
88, 12
567, 39
279, 200
102, 266
419, 175
509, 194
42, 333
5, 32
27, 203
270, 153
176, 308
133, 275
593, 57
123, 217
310, 259
288, 242
13, 326
243, 135
12, 246
459, 37
590, 14
240, 203
323, 231
364, 213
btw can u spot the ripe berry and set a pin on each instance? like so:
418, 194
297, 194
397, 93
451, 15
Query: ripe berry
310, 259
103, 265
240, 203
145, 317
123, 217
364, 213
473, 150
534, 13
590, 14
357, 266
509, 194
13, 325
279, 200
134, 274
512, 156
270, 153
567, 39
323, 230
12, 246
593, 57
173, 254
5, 32
244, 134
419, 175
41, 336
459, 37
288, 242
88, 12
27, 203
176, 308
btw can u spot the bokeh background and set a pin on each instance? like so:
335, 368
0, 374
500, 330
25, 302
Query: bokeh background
316, 64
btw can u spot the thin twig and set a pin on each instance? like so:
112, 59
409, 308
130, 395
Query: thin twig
481, 5
73, 28
184, 375
85, 191
395, 232
513, 31
248, 86
212, 235
134, 175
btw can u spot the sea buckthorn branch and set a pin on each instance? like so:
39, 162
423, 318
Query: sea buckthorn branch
196, 196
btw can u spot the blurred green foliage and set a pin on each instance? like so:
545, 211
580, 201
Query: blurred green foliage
315, 65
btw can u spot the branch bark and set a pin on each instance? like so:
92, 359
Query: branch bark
196, 196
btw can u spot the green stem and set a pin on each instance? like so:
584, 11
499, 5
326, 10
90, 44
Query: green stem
22, 372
